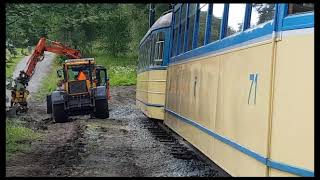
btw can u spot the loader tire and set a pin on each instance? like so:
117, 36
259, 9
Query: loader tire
58, 113
49, 104
102, 110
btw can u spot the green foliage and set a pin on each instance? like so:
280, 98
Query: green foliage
49, 83
18, 137
117, 34
121, 70
115, 29
12, 61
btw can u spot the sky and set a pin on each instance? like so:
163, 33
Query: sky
236, 16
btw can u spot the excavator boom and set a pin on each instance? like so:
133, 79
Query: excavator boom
55, 47
19, 92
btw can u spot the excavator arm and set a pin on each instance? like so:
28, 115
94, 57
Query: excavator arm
37, 55
19, 92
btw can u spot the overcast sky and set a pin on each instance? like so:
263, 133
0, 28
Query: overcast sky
236, 17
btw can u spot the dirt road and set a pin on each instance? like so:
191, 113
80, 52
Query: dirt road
118, 146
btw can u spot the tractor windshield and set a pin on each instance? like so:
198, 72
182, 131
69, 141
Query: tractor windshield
78, 72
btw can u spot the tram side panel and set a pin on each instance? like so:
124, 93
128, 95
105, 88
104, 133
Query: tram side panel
156, 93
292, 138
243, 109
171, 99
141, 92
195, 99
223, 83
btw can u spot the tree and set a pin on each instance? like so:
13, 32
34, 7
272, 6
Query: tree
112, 28
265, 11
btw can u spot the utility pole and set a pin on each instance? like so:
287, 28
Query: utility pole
151, 14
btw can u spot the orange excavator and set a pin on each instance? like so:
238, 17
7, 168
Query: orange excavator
19, 92
87, 94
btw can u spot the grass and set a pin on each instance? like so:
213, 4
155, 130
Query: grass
18, 137
14, 61
121, 70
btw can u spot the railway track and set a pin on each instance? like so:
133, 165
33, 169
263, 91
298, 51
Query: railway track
177, 146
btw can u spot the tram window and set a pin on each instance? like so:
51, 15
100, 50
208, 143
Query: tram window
141, 62
139, 59
176, 31
235, 18
295, 8
159, 48
153, 42
202, 23
149, 51
156, 49
145, 55
183, 25
192, 13
217, 14
261, 13
155, 53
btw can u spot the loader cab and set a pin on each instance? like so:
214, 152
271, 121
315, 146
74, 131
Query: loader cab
102, 78
85, 91
72, 70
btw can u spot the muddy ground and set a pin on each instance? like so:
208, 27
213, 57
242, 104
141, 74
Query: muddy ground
118, 146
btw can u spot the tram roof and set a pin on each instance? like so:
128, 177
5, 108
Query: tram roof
163, 21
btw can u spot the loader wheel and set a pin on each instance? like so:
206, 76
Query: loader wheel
58, 113
102, 110
49, 104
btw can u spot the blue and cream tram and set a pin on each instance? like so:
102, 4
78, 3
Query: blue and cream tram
152, 68
240, 85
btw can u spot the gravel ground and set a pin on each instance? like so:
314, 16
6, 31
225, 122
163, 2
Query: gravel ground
118, 146
84, 146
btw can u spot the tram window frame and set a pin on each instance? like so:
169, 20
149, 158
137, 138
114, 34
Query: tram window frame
190, 34
145, 55
210, 40
183, 21
250, 26
298, 13
175, 32
243, 20
142, 61
159, 45
149, 51
199, 30
152, 45
156, 48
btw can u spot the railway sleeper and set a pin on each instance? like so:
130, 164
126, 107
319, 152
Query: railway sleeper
184, 156
179, 149
166, 140
158, 132
151, 127
163, 136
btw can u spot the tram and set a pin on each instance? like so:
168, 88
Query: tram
240, 85
152, 68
